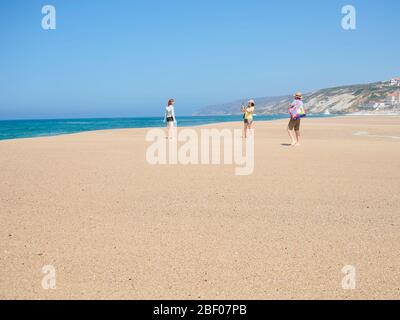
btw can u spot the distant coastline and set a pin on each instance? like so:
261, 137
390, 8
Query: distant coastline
378, 97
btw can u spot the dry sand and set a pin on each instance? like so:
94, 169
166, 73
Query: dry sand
115, 227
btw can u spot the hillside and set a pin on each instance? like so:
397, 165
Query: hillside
372, 98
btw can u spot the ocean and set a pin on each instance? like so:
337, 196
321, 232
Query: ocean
16, 129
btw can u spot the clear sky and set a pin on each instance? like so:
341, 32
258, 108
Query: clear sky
128, 57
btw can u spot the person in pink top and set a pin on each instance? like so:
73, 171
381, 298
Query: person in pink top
294, 123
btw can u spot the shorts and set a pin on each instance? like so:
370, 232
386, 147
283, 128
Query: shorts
294, 124
248, 121
170, 119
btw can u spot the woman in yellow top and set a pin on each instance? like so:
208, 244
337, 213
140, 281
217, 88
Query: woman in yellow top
248, 116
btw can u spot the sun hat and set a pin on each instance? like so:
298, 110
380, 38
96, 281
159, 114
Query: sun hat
251, 101
298, 95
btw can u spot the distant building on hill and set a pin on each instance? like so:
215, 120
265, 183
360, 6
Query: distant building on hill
395, 82
368, 106
380, 105
394, 98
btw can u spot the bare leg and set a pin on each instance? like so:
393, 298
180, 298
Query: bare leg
291, 135
170, 129
297, 137
245, 130
174, 130
250, 126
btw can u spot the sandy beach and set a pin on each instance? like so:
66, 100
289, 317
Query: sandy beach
115, 227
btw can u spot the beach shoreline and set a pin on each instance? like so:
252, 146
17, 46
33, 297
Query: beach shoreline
145, 120
188, 126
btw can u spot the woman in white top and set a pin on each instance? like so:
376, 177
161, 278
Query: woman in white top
170, 118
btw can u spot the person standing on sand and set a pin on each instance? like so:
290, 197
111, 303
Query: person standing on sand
248, 116
169, 118
294, 123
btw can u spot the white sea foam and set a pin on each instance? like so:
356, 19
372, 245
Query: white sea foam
366, 134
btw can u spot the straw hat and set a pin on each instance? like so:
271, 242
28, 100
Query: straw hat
298, 95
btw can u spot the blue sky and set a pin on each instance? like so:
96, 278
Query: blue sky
127, 58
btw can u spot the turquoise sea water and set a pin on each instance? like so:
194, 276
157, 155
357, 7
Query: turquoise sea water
14, 129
